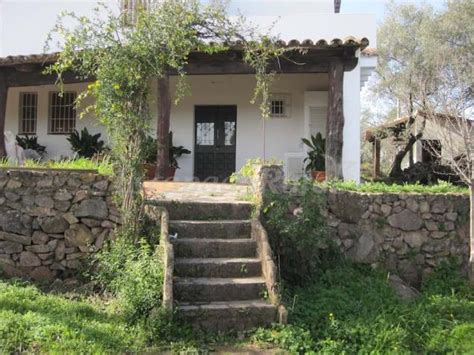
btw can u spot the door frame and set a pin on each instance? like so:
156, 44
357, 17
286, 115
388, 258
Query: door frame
195, 107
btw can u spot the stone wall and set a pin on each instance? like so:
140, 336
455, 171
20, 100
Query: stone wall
407, 233
51, 220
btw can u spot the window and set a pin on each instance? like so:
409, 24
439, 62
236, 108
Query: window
28, 112
280, 105
62, 112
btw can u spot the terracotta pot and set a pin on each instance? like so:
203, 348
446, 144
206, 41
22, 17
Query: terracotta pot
150, 171
170, 172
319, 176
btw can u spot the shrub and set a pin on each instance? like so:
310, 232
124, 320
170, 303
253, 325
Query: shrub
85, 144
31, 142
298, 232
133, 273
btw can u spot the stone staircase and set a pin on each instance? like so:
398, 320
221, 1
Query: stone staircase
218, 283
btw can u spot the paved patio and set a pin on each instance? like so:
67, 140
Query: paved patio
196, 191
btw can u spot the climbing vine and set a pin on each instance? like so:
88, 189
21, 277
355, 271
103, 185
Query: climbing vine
124, 57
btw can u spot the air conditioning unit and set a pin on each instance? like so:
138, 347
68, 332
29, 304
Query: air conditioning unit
294, 165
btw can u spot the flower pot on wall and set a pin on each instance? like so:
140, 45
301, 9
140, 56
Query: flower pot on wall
319, 176
150, 172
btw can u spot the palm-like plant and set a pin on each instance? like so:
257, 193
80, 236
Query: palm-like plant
316, 159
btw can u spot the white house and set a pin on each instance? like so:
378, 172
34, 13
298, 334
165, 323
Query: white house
216, 121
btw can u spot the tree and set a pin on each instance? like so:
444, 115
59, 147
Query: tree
450, 108
404, 71
124, 52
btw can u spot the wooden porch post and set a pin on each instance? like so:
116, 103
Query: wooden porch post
3, 111
376, 158
163, 127
335, 121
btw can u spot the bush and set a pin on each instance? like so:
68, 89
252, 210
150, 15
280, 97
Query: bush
134, 274
298, 232
85, 144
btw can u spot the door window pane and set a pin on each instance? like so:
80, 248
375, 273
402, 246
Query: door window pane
229, 133
205, 133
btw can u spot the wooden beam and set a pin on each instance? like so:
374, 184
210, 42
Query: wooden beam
163, 127
18, 78
3, 112
335, 121
376, 158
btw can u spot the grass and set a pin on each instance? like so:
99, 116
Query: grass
32, 321
352, 310
348, 309
104, 166
380, 187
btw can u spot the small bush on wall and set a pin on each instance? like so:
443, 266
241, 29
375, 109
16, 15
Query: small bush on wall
297, 232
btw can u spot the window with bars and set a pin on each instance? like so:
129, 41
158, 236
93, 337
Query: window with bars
62, 112
280, 105
28, 113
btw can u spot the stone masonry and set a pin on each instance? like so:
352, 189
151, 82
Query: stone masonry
406, 233
51, 220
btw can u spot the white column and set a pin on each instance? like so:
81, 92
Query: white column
351, 147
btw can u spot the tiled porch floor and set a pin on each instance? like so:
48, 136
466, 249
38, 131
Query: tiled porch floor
196, 191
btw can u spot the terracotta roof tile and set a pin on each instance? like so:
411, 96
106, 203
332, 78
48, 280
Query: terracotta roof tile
350, 41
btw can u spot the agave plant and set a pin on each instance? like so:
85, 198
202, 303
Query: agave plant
316, 159
31, 142
85, 144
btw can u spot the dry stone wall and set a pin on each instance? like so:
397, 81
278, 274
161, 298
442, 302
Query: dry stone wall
409, 234
50, 221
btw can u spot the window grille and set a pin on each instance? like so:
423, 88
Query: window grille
280, 105
62, 112
28, 113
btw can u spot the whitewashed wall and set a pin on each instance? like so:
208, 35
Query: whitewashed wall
57, 145
282, 135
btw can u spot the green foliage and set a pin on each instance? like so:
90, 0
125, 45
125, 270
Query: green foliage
175, 152
31, 142
297, 232
316, 159
376, 187
86, 145
103, 166
125, 55
248, 170
351, 309
134, 274
35, 322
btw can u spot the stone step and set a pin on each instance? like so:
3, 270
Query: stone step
228, 316
203, 289
214, 248
225, 229
198, 210
218, 267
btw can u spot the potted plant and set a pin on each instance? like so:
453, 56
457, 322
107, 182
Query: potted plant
150, 153
316, 159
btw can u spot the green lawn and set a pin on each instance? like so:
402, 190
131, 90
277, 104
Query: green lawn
345, 310
33, 321
352, 310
